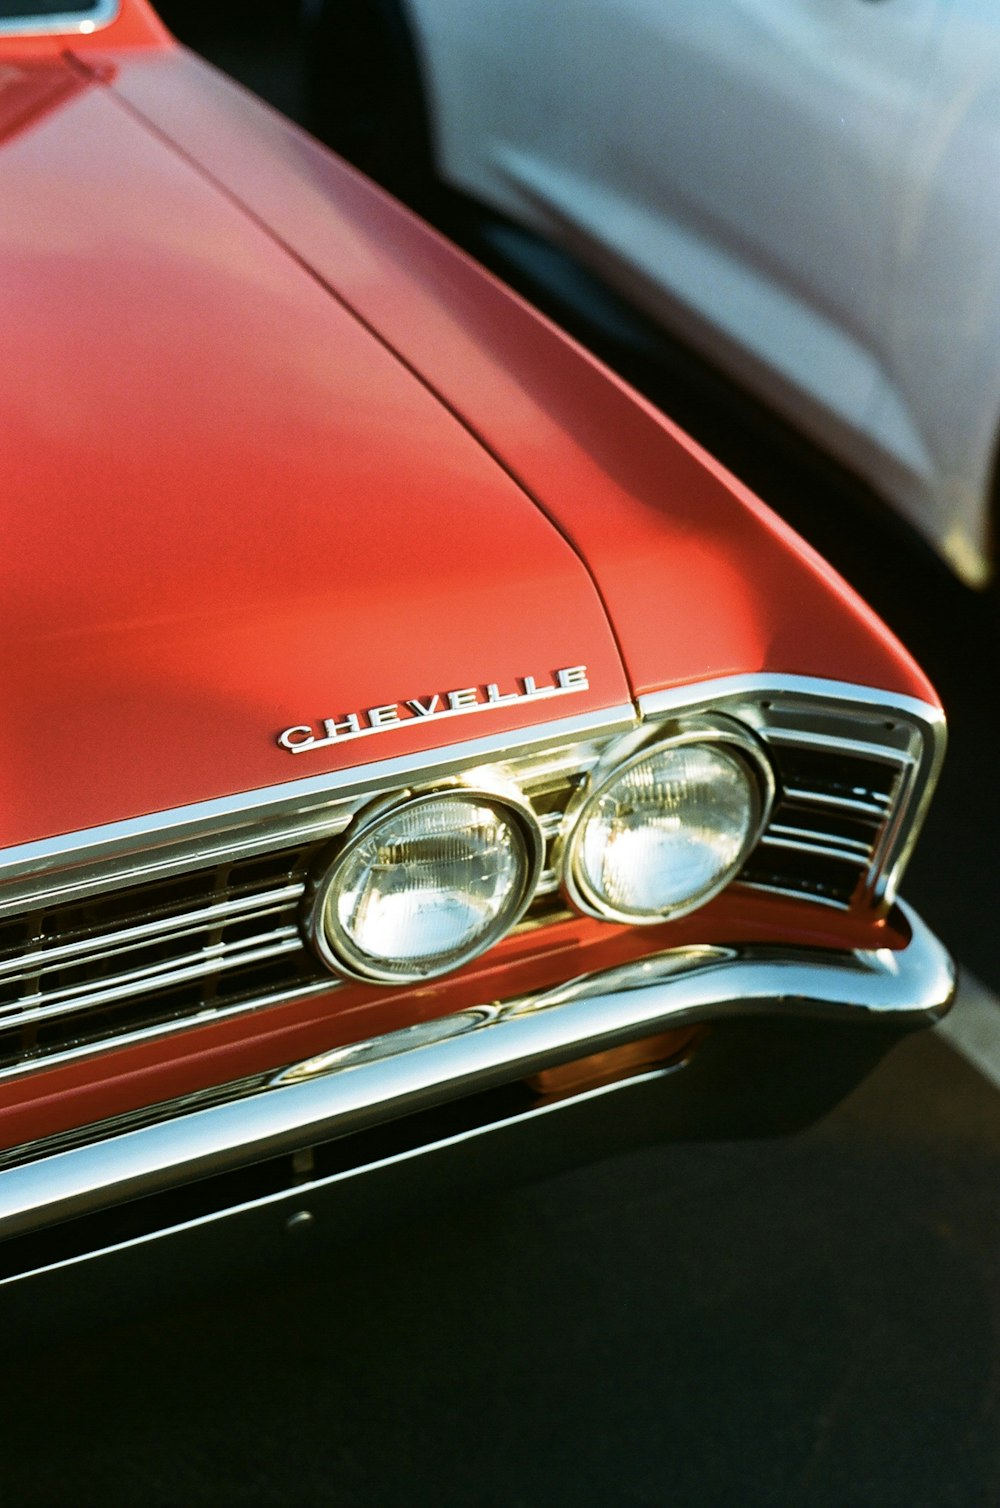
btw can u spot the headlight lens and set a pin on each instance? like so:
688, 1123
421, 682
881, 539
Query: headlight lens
666, 831
426, 887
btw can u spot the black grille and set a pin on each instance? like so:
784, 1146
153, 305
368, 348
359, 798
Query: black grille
77, 974
827, 823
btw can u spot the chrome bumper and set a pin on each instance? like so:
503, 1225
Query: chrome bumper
783, 1022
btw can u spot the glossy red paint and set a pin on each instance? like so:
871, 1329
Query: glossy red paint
128, 1078
668, 534
30, 89
229, 510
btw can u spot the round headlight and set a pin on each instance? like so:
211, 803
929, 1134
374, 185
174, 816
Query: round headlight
666, 830
424, 887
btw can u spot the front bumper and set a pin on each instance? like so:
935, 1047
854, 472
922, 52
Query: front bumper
391, 1126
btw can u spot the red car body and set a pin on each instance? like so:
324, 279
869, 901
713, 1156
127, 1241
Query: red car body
301, 508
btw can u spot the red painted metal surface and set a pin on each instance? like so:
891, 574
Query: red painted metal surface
228, 509
700, 579
31, 88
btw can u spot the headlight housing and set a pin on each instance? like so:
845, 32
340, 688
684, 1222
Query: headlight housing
662, 832
420, 888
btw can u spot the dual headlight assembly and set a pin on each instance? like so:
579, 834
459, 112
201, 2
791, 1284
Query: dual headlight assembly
424, 883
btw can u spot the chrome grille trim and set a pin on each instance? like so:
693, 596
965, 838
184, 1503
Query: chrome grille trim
137, 863
857, 730
871, 808
850, 809
805, 841
112, 943
787, 737
211, 961
143, 957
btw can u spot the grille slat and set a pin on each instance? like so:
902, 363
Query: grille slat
874, 806
211, 961
184, 948
817, 844
781, 836
837, 744
836, 792
103, 947
117, 965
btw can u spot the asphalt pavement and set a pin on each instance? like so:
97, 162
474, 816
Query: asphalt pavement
808, 1322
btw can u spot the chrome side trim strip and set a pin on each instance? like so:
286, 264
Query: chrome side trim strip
378, 1081
73, 23
290, 799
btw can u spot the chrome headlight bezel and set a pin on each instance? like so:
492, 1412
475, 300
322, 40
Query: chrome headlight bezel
732, 737
350, 962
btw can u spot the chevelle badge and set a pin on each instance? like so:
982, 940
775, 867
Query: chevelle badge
442, 704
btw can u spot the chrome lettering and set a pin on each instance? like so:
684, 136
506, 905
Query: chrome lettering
421, 709
349, 725
564, 682
288, 740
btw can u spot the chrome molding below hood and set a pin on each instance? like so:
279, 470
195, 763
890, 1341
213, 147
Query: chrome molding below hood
372, 1083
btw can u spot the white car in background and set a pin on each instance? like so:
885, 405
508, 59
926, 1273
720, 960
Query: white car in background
804, 190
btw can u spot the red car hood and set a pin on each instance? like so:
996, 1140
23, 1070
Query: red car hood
700, 580
228, 508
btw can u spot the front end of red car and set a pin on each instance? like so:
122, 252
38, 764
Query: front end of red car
421, 763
